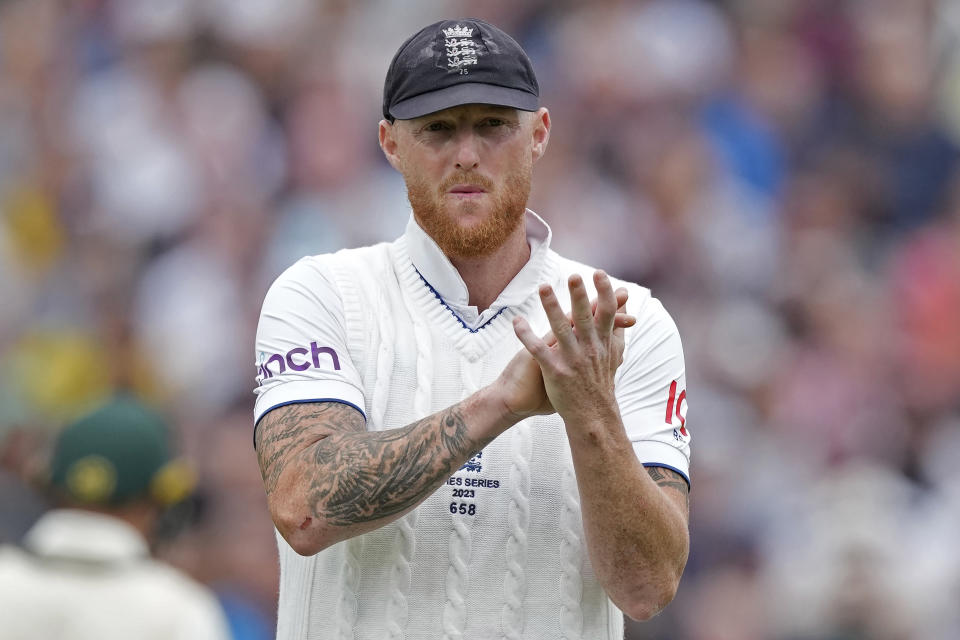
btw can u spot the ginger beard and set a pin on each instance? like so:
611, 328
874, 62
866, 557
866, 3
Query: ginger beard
440, 217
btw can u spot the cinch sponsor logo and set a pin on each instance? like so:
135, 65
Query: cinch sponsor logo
296, 360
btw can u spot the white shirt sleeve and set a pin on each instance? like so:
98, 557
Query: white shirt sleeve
651, 390
301, 346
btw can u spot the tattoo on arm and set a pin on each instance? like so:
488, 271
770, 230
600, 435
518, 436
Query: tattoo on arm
350, 475
288, 430
669, 479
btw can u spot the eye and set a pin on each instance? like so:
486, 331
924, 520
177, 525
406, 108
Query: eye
494, 122
435, 126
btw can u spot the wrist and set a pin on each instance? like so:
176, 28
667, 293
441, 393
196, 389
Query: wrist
495, 412
600, 425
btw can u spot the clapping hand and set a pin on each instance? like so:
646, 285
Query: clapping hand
580, 356
600, 322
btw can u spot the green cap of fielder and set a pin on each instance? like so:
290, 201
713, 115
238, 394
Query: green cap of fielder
116, 454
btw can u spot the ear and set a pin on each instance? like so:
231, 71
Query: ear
388, 142
541, 132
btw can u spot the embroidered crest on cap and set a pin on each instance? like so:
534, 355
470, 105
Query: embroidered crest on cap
461, 49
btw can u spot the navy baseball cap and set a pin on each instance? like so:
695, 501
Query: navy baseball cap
455, 62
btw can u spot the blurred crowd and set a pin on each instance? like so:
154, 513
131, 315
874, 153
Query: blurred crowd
783, 174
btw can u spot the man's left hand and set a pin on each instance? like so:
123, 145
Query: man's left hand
579, 367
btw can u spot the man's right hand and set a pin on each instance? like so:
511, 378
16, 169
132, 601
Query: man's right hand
520, 385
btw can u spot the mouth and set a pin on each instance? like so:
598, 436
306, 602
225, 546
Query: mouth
466, 190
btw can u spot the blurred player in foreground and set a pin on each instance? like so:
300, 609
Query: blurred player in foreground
84, 570
457, 437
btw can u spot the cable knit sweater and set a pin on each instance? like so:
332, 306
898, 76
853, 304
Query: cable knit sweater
498, 551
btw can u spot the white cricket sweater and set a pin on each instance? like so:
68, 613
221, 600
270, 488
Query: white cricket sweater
498, 551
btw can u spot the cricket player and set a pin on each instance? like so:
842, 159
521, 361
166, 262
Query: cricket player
84, 571
461, 433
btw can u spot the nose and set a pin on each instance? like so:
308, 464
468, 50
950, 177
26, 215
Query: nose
467, 156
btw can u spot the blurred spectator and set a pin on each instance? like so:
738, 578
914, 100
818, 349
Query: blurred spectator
926, 286
84, 570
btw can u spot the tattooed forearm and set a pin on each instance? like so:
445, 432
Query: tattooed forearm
453, 433
669, 479
287, 430
379, 474
350, 475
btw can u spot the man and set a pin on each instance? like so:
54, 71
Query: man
434, 468
84, 570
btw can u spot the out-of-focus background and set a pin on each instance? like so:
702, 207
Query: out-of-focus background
783, 174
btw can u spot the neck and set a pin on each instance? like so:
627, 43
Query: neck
140, 514
488, 276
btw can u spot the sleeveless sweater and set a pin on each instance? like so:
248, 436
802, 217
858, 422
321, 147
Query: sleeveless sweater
498, 551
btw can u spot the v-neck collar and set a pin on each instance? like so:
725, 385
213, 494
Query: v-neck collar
439, 274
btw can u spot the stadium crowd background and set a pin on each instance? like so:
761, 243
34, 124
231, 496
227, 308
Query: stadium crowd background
782, 173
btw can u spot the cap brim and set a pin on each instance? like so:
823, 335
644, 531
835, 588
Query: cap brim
464, 93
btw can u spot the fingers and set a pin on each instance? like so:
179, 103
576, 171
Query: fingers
583, 320
621, 294
537, 347
606, 303
620, 321
586, 318
559, 323
607, 311
618, 327
623, 321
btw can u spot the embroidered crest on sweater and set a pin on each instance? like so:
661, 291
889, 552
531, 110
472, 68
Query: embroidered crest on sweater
474, 464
